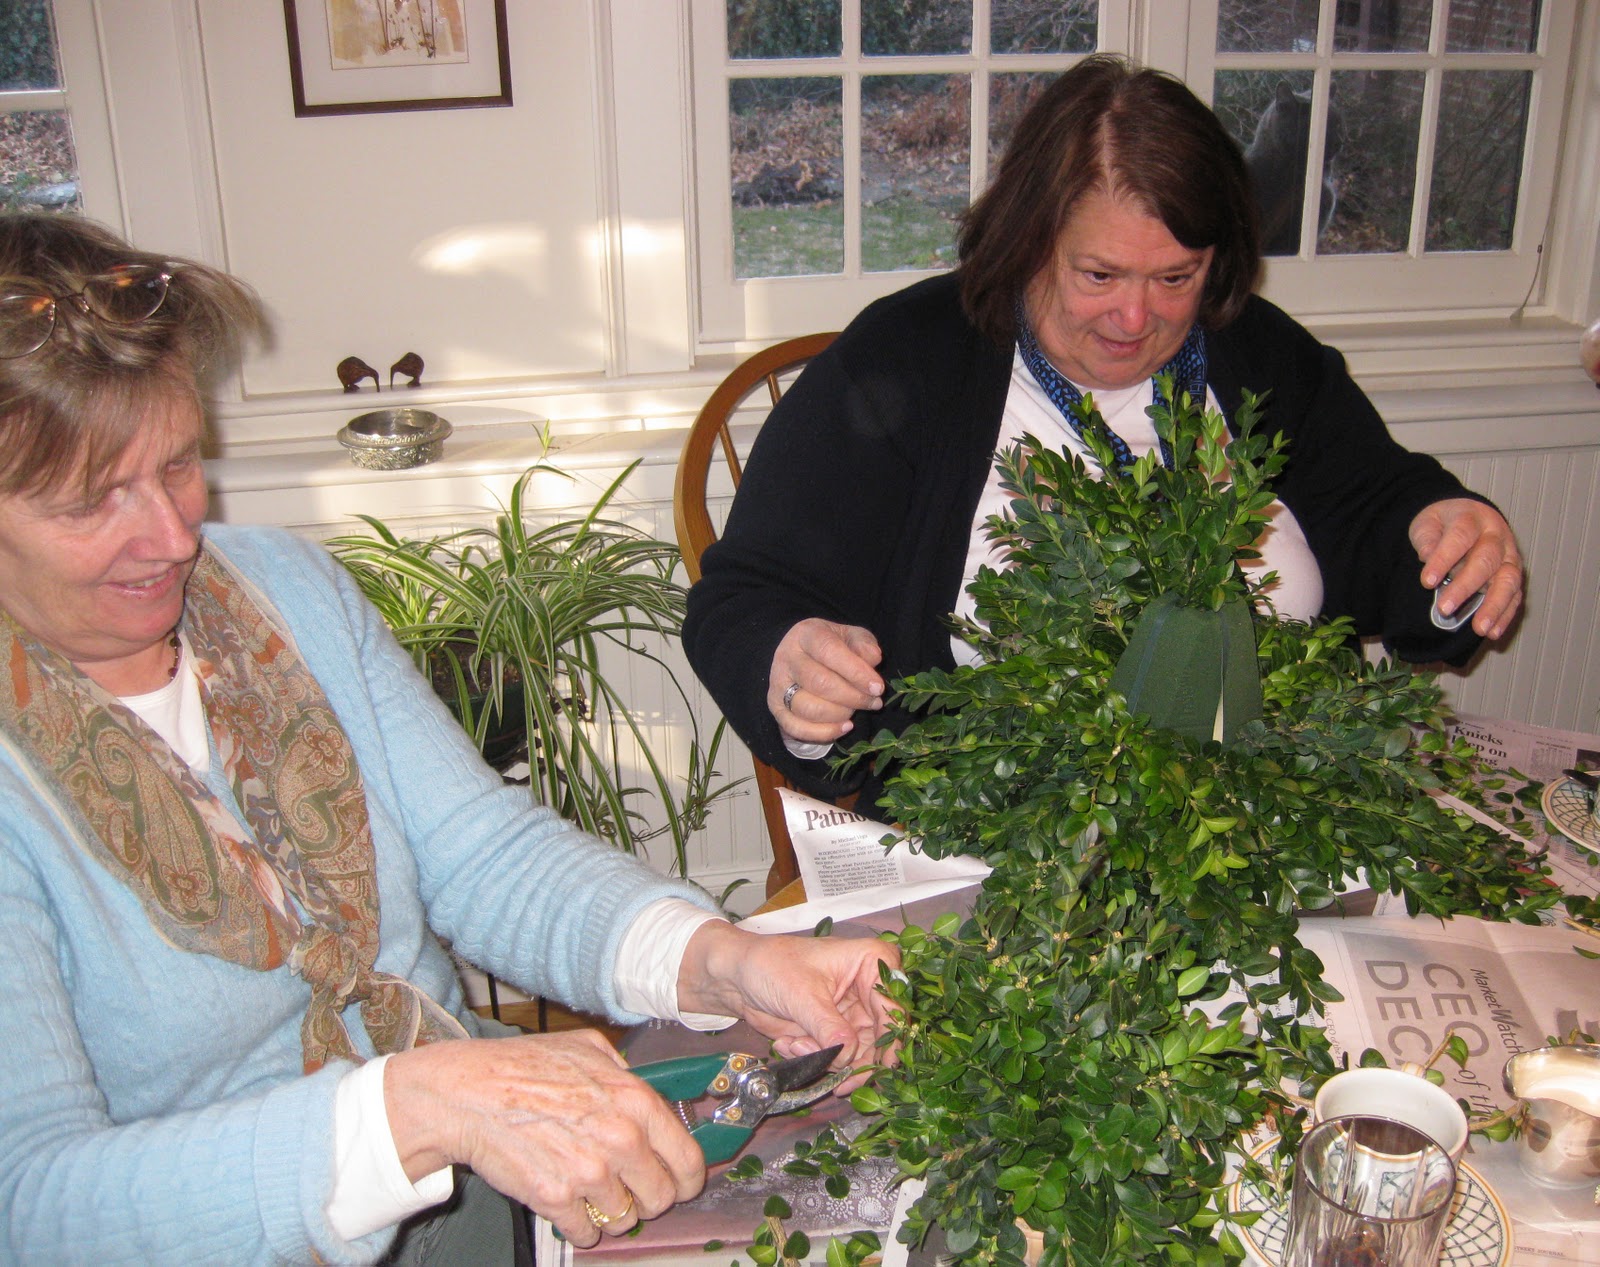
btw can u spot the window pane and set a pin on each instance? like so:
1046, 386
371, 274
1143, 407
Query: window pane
915, 169
1267, 26
1010, 95
27, 47
891, 28
1044, 26
784, 28
1493, 26
1477, 160
38, 166
786, 138
1375, 116
1382, 26
1269, 113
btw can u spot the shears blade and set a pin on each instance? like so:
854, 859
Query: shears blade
804, 1080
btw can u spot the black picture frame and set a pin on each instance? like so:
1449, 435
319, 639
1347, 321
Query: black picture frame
480, 78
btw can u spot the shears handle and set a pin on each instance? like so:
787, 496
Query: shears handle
685, 1079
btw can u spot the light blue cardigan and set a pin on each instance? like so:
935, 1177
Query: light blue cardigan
152, 1108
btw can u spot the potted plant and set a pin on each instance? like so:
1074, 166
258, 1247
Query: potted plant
513, 624
1056, 1071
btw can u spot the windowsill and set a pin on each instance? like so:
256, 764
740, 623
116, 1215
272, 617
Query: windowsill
483, 451
1447, 386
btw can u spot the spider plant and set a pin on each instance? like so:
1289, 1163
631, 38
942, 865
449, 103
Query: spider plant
516, 623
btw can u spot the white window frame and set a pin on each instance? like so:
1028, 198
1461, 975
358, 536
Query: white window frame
1421, 285
735, 310
1414, 289
83, 96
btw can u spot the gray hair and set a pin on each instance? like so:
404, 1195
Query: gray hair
73, 407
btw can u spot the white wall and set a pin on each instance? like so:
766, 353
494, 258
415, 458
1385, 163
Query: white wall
468, 236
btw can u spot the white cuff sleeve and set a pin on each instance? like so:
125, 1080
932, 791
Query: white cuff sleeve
370, 1188
646, 975
806, 751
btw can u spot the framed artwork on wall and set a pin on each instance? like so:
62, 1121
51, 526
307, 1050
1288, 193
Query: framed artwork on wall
371, 56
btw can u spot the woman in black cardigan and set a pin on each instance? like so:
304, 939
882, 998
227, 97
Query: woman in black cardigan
1086, 266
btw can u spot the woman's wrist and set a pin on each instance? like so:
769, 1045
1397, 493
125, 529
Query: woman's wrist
708, 973
417, 1118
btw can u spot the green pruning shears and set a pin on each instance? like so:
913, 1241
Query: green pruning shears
750, 1089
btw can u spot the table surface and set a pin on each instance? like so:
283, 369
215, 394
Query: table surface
1543, 1244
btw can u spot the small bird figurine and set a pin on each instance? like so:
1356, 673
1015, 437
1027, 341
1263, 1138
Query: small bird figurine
411, 365
352, 370
1589, 351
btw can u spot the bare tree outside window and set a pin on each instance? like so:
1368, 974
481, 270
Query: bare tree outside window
783, 28
1029, 26
917, 153
38, 165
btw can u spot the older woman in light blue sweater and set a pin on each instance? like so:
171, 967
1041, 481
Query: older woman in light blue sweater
232, 1033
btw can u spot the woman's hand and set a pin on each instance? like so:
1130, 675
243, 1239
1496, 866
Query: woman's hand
552, 1120
834, 668
805, 993
1475, 542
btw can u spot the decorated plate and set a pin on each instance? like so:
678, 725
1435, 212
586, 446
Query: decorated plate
1566, 805
1479, 1234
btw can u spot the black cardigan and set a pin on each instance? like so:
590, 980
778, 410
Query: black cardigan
857, 502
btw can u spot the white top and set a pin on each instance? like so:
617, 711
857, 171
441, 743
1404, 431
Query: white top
1295, 595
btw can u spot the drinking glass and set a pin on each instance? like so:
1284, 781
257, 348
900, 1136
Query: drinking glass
1369, 1192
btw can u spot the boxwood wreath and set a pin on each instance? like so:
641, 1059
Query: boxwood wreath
1054, 1066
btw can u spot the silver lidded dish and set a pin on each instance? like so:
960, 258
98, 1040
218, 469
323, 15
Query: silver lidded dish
393, 439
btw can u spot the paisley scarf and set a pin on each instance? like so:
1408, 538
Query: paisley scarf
298, 884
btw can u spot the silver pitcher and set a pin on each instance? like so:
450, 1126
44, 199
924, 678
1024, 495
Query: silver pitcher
1558, 1136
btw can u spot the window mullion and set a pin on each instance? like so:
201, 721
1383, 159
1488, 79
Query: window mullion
1432, 89
850, 97
852, 171
978, 109
1327, 16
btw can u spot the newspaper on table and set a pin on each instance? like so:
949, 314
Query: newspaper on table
1539, 752
853, 865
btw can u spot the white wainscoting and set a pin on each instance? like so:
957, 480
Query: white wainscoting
1537, 454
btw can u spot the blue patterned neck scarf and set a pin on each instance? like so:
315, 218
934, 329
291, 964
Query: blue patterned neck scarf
1188, 370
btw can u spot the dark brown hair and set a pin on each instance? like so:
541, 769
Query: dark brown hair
1137, 133
71, 409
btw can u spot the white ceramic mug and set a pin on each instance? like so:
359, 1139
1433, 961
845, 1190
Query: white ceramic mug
1398, 1096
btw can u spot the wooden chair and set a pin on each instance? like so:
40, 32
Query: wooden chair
695, 531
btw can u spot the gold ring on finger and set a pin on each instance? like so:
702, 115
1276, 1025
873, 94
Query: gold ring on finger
600, 1218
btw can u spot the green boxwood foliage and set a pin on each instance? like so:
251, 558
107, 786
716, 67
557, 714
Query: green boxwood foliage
1055, 1064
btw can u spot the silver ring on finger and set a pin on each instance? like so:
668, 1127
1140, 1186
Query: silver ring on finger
788, 696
